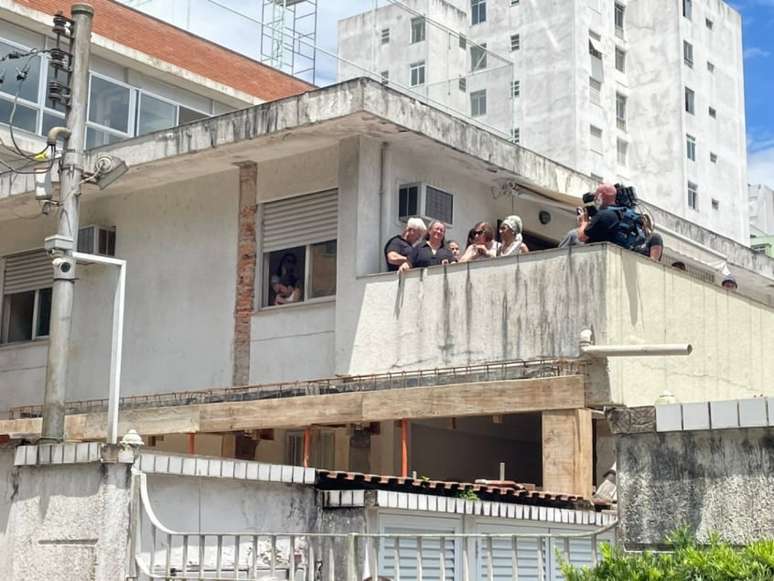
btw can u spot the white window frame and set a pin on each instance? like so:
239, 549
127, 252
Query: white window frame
688, 9
476, 96
595, 92
131, 119
688, 54
42, 90
619, 9
693, 196
477, 12
385, 36
3, 313
621, 103
306, 299
595, 139
690, 147
690, 101
516, 135
516, 89
420, 69
622, 152
422, 202
418, 31
515, 42
385, 76
620, 59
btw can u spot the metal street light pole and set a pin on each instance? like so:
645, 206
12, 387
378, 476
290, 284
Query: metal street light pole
66, 240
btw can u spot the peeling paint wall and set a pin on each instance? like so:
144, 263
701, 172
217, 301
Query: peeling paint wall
508, 308
712, 481
63, 523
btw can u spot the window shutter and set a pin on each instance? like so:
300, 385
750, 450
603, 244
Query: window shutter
300, 220
27, 271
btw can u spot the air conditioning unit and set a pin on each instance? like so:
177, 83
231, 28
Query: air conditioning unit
95, 239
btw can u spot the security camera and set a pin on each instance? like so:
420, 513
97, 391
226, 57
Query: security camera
64, 268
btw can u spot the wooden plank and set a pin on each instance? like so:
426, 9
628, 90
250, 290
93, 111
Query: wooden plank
568, 451
475, 399
471, 399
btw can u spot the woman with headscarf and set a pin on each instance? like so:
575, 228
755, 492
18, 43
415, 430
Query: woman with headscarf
511, 239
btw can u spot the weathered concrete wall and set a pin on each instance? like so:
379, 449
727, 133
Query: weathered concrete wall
220, 505
508, 308
652, 303
712, 481
180, 245
63, 523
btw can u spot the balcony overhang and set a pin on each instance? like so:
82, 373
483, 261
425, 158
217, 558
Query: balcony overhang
309, 122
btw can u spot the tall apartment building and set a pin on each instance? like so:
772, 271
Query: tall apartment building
648, 94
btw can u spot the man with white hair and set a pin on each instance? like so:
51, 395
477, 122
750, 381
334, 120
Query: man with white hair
398, 248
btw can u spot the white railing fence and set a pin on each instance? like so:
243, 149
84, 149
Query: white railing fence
157, 552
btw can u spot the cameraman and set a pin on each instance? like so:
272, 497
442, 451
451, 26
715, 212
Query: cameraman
601, 227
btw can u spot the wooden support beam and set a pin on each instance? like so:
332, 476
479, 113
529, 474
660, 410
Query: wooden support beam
458, 400
568, 451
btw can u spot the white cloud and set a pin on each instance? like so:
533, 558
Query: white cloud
760, 167
755, 52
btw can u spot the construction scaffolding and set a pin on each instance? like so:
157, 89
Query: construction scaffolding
289, 36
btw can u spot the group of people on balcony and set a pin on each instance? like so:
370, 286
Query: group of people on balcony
419, 246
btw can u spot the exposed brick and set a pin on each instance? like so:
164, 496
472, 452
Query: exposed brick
175, 46
245, 276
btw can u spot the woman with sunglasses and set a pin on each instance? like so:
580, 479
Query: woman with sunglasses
484, 245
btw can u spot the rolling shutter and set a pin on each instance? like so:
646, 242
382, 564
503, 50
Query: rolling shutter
300, 220
27, 271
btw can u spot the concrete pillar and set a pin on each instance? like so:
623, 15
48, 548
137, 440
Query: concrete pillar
245, 275
359, 249
568, 450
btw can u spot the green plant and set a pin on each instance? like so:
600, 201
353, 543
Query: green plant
688, 561
467, 494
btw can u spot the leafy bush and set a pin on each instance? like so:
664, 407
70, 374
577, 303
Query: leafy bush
688, 561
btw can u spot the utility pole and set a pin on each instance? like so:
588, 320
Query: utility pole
65, 242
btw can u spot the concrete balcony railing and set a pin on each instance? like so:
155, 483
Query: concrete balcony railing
536, 305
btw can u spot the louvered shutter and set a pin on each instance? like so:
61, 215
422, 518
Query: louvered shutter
27, 271
300, 220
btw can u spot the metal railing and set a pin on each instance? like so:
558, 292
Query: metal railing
157, 552
492, 371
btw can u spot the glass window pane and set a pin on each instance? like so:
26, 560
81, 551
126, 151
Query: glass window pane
24, 117
50, 121
96, 138
28, 89
18, 311
109, 104
285, 276
188, 115
44, 312
322, 279
155, 115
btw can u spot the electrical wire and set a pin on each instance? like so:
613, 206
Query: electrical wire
22, 76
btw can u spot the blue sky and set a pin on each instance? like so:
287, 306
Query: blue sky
758, 40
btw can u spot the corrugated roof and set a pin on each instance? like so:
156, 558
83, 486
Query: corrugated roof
500, 491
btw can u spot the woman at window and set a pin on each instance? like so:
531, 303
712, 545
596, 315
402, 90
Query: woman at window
284, 281
511, 239
484, 245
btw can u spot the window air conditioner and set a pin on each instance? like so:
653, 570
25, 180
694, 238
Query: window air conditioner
95, 239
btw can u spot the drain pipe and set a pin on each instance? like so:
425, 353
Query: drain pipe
382, 192
587, 347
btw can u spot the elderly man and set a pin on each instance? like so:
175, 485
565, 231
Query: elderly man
398, 248
602, 227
